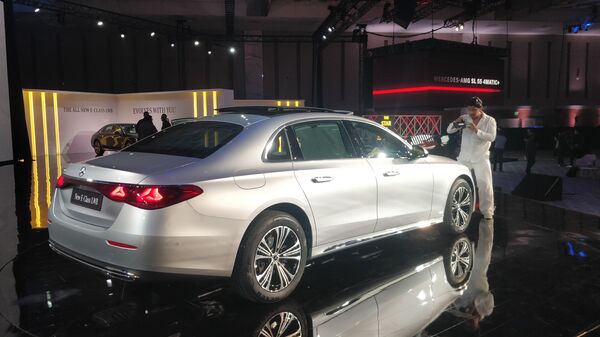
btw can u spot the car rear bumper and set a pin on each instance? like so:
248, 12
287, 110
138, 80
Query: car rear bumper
177, 241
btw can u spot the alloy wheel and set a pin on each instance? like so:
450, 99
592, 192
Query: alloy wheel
284, 324
277, 259
460, 259
461, 206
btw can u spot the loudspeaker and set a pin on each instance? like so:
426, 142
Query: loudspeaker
540, 187
404, 11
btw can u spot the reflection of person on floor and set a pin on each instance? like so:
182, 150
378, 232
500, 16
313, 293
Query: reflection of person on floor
145, 127
499, 145
530, 150
479, 133
478, 302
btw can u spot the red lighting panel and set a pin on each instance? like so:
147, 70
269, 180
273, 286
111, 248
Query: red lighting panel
431, 88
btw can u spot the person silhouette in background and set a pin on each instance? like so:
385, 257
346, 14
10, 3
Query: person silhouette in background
530, 150
145, 127
165, 121
499, 146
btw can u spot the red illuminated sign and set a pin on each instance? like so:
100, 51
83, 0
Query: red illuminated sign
432, 88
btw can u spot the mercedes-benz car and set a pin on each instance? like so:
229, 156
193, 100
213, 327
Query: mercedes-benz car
113, 137
252, 196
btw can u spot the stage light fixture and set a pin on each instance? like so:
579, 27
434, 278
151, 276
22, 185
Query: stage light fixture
172, 45
232, 50
100, 23
329, 29
209, 52
461, 26
324, 37
122, 35
37, 10
196, 43
456, 28
152, 34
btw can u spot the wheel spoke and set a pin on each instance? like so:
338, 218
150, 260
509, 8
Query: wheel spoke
284, 275
264, 279
293, 251
282, 235
466, 201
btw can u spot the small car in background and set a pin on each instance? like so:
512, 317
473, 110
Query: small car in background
113, 137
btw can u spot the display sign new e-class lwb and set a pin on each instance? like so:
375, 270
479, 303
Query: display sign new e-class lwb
435, 74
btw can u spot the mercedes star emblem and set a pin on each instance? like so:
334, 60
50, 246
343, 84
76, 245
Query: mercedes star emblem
82, 171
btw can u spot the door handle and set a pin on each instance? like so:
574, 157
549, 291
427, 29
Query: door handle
322, 179
391, 173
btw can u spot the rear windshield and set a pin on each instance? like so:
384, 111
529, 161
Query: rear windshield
197, 139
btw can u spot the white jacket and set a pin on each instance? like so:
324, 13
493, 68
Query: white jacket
475, 147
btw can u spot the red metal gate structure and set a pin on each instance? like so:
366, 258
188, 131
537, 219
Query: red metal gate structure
408, 126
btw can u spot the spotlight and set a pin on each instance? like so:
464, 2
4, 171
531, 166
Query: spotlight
196, 43
152, 34
324, 37
329, 29
461, 26
209, 52
100, 23
122, 35
37, 10
172, 44
456, 28
232, 50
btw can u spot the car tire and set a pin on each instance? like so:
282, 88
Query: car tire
459, 207
98, 148
268, 270
458, 261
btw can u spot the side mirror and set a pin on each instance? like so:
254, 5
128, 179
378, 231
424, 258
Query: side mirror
419, 152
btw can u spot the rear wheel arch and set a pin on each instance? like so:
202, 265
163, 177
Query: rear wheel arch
300, 215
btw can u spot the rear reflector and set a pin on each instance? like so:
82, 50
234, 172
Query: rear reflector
141, 196
120, 245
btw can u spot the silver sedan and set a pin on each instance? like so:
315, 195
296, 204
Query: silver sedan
252, 194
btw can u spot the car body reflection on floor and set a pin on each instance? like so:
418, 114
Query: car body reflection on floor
395, 287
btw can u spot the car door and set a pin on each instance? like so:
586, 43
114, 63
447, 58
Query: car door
339, 185
404, 184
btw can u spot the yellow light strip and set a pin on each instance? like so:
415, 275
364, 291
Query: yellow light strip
216, 138
36, 191
195, 104
215, 103
278, 103
296, 104
32, 126
287, 103
57, 132
204, 103
280, 144
46, 157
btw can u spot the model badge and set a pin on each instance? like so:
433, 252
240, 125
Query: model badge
82, 171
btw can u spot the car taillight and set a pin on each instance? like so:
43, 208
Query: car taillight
149, 197
141, 196
60, 182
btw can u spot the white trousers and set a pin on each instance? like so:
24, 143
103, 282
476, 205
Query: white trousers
483, 179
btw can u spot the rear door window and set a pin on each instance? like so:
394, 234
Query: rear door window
322, 140
197, 139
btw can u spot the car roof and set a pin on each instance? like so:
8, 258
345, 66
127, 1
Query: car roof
276, 110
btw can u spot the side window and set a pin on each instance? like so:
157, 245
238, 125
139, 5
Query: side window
279, 149
322, 140
107, 129
377, 143
117, 128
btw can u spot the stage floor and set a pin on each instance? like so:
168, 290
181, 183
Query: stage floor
544, 277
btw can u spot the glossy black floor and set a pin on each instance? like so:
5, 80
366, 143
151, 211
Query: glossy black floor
544, 278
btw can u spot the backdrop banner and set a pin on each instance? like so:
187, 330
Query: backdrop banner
62, 122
